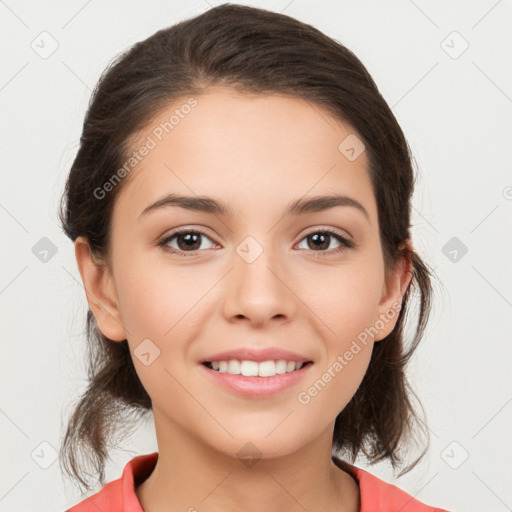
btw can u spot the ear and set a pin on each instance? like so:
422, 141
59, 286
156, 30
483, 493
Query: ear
396, 283
100, 291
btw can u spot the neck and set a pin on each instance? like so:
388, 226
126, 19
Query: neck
192, 476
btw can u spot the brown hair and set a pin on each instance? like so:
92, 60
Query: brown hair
249, 50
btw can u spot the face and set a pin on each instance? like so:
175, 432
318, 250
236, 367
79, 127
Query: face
254, 276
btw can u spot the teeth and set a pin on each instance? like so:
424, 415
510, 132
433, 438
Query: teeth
233, 366
254, 369
248, 368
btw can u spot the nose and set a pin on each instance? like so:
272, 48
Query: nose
259, 287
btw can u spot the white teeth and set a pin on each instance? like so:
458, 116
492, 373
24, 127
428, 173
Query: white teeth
233, 366
253, 369
280, 366
267, 369
248, 369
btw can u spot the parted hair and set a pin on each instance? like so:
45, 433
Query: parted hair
250, 50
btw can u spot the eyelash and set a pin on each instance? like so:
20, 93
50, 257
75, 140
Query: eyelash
345, 242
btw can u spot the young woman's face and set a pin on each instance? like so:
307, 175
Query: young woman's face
253, 277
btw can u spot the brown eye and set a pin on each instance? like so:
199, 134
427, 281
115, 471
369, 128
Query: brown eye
187, 241
320, 241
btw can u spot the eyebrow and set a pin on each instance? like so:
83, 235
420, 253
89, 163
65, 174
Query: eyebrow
218, 207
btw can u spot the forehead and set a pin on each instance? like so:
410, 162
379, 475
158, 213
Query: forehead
254, 151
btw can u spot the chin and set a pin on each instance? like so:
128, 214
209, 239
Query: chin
261, 445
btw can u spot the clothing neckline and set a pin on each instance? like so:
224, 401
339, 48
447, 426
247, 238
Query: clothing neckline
375, 495
140, 468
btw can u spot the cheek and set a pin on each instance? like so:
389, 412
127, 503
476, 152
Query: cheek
335, 383
348, 301
154, 297
347, 309
161, 310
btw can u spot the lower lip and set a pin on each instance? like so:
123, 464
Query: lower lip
257, 387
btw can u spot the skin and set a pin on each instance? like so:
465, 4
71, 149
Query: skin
257, 153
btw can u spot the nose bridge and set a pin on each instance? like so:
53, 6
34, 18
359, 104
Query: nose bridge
256, 264
257, 287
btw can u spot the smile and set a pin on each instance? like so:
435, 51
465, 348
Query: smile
249, 368
252, 379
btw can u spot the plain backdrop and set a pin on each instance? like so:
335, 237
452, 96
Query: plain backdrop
443, 67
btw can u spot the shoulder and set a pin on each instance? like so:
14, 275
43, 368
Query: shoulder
119, 495
108, 499
379, 496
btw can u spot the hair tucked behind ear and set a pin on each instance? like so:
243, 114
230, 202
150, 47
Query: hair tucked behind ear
248, 50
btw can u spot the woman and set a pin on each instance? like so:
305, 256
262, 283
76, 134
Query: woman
240, 209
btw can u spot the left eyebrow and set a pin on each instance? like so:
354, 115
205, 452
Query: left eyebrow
218, 207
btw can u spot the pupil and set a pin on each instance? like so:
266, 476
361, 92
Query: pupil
190, 239
320, 238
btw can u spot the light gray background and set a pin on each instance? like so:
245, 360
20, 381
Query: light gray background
455, 111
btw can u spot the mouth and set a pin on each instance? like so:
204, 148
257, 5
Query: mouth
256, 379
248, 368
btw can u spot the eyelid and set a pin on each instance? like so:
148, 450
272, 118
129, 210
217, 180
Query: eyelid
343, 233
187, 229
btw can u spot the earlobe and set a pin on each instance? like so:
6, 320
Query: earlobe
100, 291
395, 286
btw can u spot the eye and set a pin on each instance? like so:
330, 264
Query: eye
321, 239
188, 240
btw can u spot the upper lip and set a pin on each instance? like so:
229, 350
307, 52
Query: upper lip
256, 354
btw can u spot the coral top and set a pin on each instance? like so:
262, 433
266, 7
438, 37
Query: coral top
119, 495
